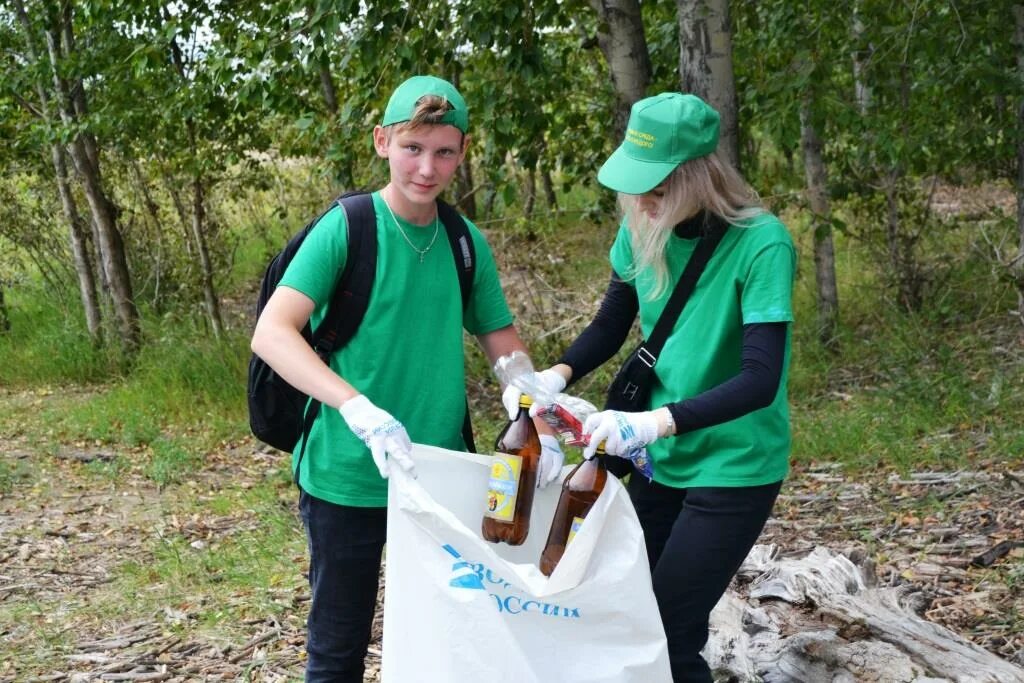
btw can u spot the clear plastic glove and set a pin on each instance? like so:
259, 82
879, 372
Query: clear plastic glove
545, 385
622, 433
551, 460
381, 432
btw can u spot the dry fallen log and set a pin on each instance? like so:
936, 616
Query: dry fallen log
823, 618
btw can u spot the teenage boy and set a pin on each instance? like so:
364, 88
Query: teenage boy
401, 376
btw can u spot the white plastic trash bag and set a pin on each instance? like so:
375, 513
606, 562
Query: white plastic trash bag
457, 608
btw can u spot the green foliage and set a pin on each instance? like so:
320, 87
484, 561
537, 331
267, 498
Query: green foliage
937, 388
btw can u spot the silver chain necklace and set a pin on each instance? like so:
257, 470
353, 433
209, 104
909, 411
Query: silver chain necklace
421, 252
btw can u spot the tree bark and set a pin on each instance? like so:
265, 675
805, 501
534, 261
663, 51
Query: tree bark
1018, 266
705, 65
153, 211
549, 188
80, 248
625, 50
199, 234
824, 618
77, 235
323, 65
465, 189
530, 191
5, 320
824, 254
199, 222
861, 55
84, 154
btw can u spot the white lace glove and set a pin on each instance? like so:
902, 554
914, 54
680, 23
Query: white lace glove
622, 433
548, 382
551, 460
380, 431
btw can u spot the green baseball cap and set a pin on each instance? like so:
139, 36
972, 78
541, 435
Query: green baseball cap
663, 132
403, 101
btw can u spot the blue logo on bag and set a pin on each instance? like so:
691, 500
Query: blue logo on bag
476, 576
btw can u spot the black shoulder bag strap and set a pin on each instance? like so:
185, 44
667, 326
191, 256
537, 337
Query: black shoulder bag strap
465, 265
649, 350
351, 297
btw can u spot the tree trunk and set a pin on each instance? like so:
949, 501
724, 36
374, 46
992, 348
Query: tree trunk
530, 191
323, 65
861, 55
705, 65
1018, 270
625, 50
78, 237
5, 320
822, 617
824, 254
465, 190
83, 153
199, 213
327, 84
549, 188
171, 185
80, 248
153, 211
199, 235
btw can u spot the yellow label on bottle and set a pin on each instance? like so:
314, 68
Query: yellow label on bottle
577, 522
503, 486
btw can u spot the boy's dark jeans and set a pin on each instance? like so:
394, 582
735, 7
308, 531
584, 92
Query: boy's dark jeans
697, 538
345, 546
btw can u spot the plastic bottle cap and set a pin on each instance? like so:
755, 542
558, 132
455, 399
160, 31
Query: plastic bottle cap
525, 401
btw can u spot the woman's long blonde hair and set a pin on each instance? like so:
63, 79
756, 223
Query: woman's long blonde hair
703, 184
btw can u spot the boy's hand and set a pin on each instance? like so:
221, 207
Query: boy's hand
551, 460
547, 381
383, 434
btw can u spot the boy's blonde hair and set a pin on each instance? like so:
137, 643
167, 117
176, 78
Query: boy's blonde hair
703, 184
429, 111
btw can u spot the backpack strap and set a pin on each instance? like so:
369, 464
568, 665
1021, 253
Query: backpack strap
462, 248
464, 254
351, 296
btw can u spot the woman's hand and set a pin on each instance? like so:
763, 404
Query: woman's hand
623, 433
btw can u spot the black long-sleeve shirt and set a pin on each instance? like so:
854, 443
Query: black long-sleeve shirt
764, 346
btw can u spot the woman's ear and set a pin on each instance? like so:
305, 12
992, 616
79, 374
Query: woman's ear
380, 142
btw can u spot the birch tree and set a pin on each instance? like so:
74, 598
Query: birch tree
705, 64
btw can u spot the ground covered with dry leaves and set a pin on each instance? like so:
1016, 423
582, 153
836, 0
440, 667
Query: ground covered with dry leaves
64, 540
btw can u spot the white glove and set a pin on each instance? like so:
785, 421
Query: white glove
548, 383
383, 434
622, 433
551, 460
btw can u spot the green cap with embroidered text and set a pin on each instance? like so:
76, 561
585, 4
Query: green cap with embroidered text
663, 132
403, 101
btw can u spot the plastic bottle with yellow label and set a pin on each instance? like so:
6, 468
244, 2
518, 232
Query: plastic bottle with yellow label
513, 480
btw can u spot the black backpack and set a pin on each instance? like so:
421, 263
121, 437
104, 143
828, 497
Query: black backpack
278, 413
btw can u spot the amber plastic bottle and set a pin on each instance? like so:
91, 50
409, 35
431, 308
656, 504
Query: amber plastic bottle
513, 480
579, 493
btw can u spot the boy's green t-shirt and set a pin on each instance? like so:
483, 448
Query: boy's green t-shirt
749, 279
406, 356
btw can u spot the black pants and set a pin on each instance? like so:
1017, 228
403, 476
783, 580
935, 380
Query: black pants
345, 546
697, 538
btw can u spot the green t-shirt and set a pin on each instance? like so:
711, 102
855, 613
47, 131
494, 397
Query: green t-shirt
406, 356
749, 279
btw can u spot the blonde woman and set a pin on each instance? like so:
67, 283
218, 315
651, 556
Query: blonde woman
717, 427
